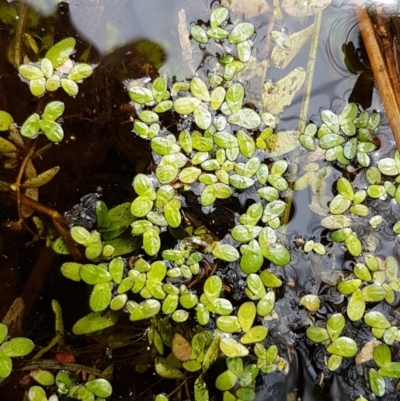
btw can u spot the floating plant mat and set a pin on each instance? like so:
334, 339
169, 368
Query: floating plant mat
203, 259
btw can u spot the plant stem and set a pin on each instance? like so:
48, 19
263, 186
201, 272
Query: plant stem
304, 111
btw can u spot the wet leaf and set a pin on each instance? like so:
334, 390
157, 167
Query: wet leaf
348, 114
59, 53
331, 120
5, 120
17, 347
373, 293
199, 90
5, 365
141, 206
345, 188
329, 141
100, 297
99, 387
80, 71
276, 253
336, 222
382, 355
252, 258
192, 366
30, 72
245, 233
246, 315
377, 383
94, 322
272, 210
47, 67
376, 320
226, 380
140, 95
308, 142
52, 130
172, 213
3, 332
217, 33
388, 166
255, 335
317, 334
53, 111
225, 252
53, 83
343, 346
231, 348
159, 89
334, 362
391, 369
181, 348
37, 86
246, 118
41, 179
374, 121
311, 302
284, 91
70, 87
198, 34
71, 270
167, 170
165, 370
208, 196
151, 241
164, 147
218, 16
202, 117
246, 144
200, 390
189, 175
36, 393
211, 355
241, 32
186, 105
7, 146
266, 304
350, 149
335, 325
278, 182
148, 116
354, 245
244, 51
212, 288
356, 306
255, 286
144, 187
225, 140
234, 97
360, 210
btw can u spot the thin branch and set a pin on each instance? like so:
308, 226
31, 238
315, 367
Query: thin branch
304, 109
51, 364
380, 70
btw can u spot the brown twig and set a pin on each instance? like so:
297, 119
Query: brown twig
384, 31
380, 71
58, 221
51, 364
17, 185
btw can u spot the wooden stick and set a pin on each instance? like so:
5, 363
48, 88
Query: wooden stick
384, 31
380, 71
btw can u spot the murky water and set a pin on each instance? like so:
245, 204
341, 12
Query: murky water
132, 40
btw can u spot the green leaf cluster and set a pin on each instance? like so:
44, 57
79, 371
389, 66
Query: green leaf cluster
11, 348
56, 69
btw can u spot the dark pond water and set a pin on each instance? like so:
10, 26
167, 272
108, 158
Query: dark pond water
129, 40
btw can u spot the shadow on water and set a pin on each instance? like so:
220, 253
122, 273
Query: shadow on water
133, 40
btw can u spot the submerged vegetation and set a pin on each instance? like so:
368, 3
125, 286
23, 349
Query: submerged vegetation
207, 296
